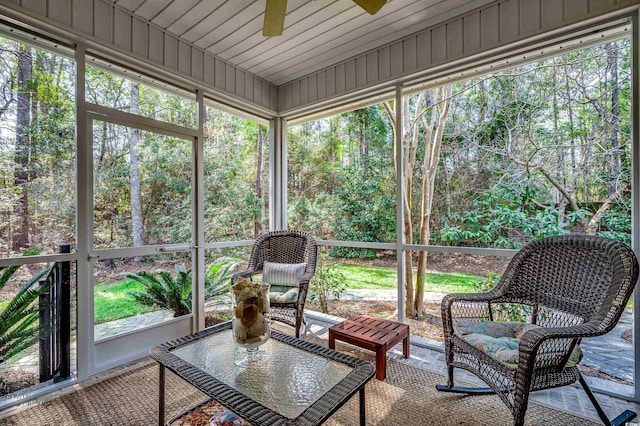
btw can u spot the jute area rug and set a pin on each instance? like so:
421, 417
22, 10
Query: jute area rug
407, 397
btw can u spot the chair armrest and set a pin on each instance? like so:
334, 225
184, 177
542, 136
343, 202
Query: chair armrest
467, 306
546, 347
247, 273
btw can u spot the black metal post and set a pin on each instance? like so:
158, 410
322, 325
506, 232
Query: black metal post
44, 304
65, 315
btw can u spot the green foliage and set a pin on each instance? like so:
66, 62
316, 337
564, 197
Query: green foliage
503, 311
19, 319
218, 279
162, 290
501, 214
365, 212
327, 282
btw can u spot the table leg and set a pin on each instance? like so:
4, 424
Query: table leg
161, 397
363, 420
406, 345
332, 340
381, 363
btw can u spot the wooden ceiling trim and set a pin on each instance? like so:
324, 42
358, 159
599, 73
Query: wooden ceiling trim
149, 8
328, 47
214, 19
197, 13
249, 29
343, 31
173, 12
322, 22
253, 12
307, 9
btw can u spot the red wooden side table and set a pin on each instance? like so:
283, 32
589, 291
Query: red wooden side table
374, 334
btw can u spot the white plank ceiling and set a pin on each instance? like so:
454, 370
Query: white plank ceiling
317, 33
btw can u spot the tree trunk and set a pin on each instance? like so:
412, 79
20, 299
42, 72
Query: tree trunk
134, 175
434, 132
259, 186
21, 156
614, 166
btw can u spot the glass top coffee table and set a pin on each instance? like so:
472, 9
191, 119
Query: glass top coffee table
290, 382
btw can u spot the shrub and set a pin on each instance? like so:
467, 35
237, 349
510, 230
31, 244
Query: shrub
19, 328
327, 282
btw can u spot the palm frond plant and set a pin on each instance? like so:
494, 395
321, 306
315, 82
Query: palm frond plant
162, 290
218, 278
19, 328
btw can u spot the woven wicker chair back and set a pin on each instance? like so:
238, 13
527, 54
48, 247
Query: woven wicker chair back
572, 279
284, 247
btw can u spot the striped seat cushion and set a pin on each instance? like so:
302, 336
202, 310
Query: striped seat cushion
283, 274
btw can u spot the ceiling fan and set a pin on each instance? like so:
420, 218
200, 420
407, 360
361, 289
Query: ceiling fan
276, 9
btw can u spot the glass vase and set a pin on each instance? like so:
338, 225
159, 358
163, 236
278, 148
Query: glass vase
251, 322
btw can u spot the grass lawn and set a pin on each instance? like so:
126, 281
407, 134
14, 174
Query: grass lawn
112, 302
380, 278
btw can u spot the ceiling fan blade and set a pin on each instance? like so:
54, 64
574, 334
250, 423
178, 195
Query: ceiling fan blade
371, 6
274, 18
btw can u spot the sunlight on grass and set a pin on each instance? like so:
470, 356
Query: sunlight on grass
111, 301
384, 278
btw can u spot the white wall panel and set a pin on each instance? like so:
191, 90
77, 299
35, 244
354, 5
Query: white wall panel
112, 26
140, 38
304, 91
122, 29
372, 67
494, 26
102, 21
184, 58
489, 27
574, 9
265, 93
439, 44
330, 80
361, 71
509, 20
321, 80
395, 56
471, 30
455, 39
409, 55
170, 52
60, 10
38, 6
384, 63
240, 78
313, 88
529, 16
221, 79
82, 16
340, 79
156, 45
257, 91
209, 69
230, 78
552, 13
350, 75
197, 64
248, 87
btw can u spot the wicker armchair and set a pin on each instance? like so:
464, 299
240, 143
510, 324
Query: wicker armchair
285, 247
576, 287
